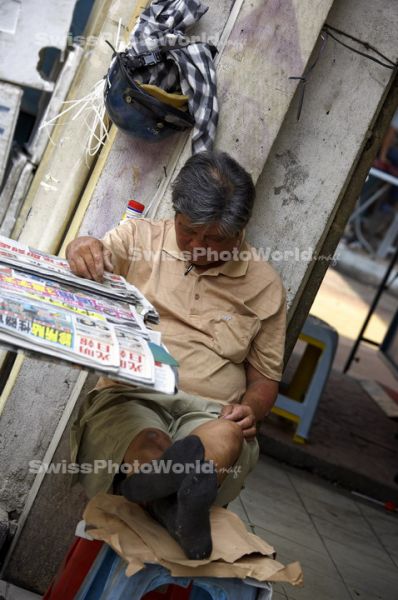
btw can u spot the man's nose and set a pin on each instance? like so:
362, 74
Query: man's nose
196, 242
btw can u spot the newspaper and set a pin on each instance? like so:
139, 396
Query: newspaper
165, 378
136, 358
39, 263
41, 327
42, 315
91, 342
63, 297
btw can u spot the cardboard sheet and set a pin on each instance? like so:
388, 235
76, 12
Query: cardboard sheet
138, 539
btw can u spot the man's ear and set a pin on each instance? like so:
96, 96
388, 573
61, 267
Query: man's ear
240, 237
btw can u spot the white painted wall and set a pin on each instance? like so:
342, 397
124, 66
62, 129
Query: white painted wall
24, 31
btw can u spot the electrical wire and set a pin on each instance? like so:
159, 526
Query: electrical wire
328, 29
327, 32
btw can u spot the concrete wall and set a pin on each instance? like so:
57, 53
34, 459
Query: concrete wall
312, 161
24, 433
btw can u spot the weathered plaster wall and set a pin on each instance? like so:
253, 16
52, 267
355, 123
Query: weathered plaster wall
311, 162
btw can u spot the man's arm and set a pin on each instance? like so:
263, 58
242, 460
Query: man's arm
256, 404
261, 392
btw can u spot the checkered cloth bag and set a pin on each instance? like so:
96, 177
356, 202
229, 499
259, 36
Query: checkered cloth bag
188, 68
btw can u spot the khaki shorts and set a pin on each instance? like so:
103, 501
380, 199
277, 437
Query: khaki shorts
111, 418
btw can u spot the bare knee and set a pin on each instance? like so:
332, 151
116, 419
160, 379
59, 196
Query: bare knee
221, 437
149, 444
154, 438
232, 432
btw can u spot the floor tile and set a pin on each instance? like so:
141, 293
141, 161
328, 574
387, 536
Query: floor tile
318, 587
269, 470
389, 539
272, 491
277, 594
237, 507
384, 525
360, 594
11, 592
394, 558
274, 496
365, 573
379, 515
368, 545
290, 523
346, 517
367, 558
265, 493
292, 551
284, 507
307, 485
371, 585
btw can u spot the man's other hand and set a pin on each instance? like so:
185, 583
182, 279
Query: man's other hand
243, 415
88, 257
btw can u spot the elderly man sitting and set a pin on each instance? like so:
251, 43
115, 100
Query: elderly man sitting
222, 315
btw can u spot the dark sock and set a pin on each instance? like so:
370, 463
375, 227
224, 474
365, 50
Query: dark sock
144, 487
165, 511
186, 514
195, 497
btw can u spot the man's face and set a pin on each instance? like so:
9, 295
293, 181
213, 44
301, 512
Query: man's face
205, 244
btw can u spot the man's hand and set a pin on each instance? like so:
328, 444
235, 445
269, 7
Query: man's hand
88, 257
243, 415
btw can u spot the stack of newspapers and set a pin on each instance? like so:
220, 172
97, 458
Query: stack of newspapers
105, 327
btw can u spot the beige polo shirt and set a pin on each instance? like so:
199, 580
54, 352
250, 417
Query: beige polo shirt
212, 322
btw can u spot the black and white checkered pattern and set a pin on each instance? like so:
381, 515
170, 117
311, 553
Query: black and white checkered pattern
189, 70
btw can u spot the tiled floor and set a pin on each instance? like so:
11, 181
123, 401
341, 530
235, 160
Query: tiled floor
347, 549
11, 592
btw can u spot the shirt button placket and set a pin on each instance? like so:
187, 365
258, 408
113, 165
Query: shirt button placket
195, 298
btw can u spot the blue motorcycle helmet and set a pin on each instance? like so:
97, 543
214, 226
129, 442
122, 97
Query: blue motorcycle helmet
142, 110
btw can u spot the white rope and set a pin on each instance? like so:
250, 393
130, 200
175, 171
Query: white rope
95, 118
91, 110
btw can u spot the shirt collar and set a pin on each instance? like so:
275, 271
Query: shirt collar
231, 268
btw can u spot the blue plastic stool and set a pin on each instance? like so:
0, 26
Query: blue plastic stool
301, 398
107, 581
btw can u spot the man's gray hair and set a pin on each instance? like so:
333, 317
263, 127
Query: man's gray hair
212, 188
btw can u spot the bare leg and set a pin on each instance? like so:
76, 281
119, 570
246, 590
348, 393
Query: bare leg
184, 513
222, 440
148, 445
174, 461
222, 443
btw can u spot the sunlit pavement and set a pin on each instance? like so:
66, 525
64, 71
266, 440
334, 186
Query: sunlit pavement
343, 303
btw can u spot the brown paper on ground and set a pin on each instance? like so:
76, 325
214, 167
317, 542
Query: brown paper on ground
139, 539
